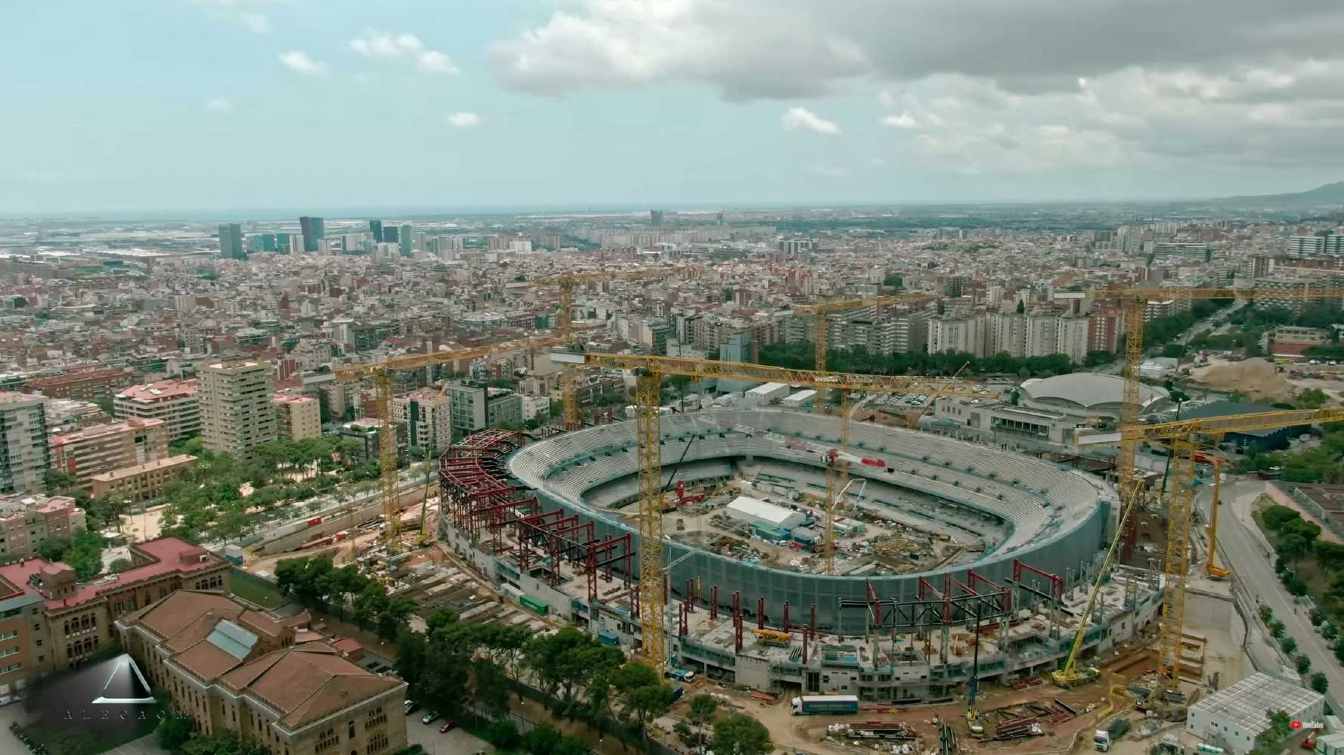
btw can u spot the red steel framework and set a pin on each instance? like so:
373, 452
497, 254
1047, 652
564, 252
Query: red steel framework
479, 494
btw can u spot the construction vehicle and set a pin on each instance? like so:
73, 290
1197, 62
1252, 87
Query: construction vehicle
772, 637
380, 373
649, 372
1102, 739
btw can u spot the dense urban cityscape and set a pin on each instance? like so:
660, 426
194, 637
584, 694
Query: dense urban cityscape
671, 377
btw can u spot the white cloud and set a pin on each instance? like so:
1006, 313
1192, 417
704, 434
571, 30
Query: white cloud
406, 47
219, 105
900, 120
802, 118
300, 62
256, 23
464, 120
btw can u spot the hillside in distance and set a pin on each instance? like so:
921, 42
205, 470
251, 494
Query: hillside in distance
1321, 196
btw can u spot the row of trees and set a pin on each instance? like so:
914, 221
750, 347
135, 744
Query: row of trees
317, 583
1297, 543
582, 679
800, 355
208, 502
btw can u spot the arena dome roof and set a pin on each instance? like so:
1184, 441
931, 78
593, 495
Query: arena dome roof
1088, 392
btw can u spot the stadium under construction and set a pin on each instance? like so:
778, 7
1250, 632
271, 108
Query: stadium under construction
952, 559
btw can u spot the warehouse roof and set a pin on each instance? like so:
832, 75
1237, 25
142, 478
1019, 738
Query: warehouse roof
768, 512
1245, 703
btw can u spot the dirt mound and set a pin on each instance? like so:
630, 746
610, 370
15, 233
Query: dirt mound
1253, 378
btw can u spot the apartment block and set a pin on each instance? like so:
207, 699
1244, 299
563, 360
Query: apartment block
297, 417
476, 407
27, 520
176, 402
142, 482
89, 385
267, 679
236, 410
51, 622
24, 454
427, 415
107, 448
961, 334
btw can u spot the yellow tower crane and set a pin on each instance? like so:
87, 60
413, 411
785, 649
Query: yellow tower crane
837, 471
1181, 434
380, 373
649, 372
1134, 304
564, 322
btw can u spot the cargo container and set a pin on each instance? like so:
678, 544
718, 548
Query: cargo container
529, 602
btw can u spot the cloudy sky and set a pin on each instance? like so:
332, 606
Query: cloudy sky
327, 104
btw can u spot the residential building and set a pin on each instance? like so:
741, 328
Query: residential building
176, 402
106, 448
476, 407
297, 417
1008, 334
957, 333
236, 410
314, 231
27, 520
24, 454
89, 385
427, 415
1041, 334
141, 482
1104, 327
1316, 244
1071, 338
231, 241
406, 239
265, 678
57, 623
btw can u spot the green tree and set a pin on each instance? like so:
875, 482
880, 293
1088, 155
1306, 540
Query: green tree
1312, 398
1274, 738
893, 280
741, 735
1329, 632
1317, 616
1339, 652
566, 661
1266, 613
542, 740
1319, 683
1302, 663
1288, 644
702, 709
174, 729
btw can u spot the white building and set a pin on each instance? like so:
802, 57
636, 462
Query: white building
964, 334
1231, 718
428, 418
761, 514
24, 454
766, 394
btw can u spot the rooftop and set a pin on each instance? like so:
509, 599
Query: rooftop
168, 553
165, 463
1246, 702
98, 431
164, 390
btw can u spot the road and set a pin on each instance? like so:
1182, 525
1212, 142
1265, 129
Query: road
1244, 550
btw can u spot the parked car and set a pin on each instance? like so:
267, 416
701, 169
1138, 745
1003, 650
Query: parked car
411, 707
447, 727
429, 718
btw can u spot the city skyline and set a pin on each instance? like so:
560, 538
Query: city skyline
233, 105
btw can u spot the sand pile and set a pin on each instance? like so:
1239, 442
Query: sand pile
1254, 378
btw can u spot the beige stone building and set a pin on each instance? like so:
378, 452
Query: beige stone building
141, 482
236, 410
297, 417
107, 448
267, 679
